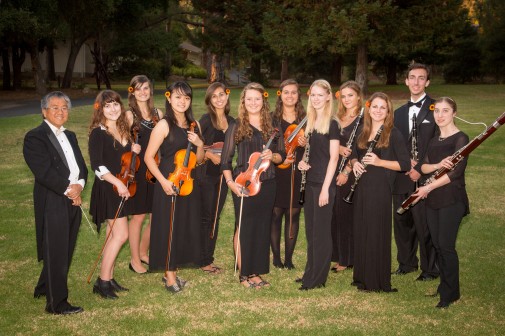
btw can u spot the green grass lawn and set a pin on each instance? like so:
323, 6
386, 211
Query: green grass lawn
217, 304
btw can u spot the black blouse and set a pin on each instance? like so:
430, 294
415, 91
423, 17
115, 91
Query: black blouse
319, 155
455, 191
245, 148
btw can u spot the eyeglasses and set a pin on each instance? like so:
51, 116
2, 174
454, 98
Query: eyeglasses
63, 109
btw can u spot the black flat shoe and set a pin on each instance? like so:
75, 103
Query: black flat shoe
104, 289
426, 277
134, 271
392, 290
443, 304
278, 264
174, 289
38, 295
289, 265
402, 272
117, 287
298, 280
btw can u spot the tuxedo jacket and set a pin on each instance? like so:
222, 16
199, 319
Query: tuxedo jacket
426, 129
45, 158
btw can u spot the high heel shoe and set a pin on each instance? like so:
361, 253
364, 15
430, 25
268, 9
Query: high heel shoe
133, 270
117, 287
104, 289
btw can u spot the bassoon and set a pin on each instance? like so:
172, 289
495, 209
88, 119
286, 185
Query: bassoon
306, 155
455, 159
348, 198
350, 142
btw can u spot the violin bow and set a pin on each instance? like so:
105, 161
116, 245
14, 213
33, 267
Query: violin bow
217, 207
170, 231
87, 220
120, 207
237, 249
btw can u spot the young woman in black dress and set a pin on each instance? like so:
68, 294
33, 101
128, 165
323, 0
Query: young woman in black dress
323, 132
143, 116
214, 125
109, 139
249, 134
373, 198
446, 198
350, 100
288, 111
170, 135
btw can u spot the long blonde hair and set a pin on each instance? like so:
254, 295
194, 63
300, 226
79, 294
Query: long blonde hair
244, 129
329, 113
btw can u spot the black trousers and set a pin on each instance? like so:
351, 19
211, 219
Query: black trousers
444, 225
61, 226
318, 232
411, 230
209, 193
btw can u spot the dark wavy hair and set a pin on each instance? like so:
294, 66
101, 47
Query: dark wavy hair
99, 119
299, 109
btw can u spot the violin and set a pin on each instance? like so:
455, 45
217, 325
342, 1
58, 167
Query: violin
185, 161
250, 179
130, 164
215, 148
291, 136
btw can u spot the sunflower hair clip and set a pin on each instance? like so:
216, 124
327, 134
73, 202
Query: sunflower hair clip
337, 94
265, 94
96, 106
227, 91
278, 93
432, 107
367, 104
167, 94
130, 89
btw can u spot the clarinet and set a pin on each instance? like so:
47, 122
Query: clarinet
414, 152
306, 155
350, 142
455, 159
348, 198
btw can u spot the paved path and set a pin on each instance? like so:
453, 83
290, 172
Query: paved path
16, 108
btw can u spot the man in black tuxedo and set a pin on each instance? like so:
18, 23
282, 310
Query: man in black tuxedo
54, 157
411, 228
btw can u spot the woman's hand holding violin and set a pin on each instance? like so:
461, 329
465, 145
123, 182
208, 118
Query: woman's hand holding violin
215, 158
195, 139
136, 148
266, 155
168, 187
302, 141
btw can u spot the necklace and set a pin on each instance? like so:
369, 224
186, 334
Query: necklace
441, 139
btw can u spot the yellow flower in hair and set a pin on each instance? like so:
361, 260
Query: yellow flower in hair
96, 106
227, 91
265, 94
432, 107
278, 92
130, 89
367, 104
167, 94
337, 94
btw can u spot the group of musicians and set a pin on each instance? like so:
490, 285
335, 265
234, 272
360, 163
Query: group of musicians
346, 168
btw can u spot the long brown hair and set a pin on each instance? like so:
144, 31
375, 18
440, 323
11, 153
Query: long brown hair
99, 119
356, 88
137, 82
244, 129
299, 109
210, 109
367, 123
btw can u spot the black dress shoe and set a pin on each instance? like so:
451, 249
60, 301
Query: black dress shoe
402, 272
443, 304
117, 287
134, 271
104, 289
64, 308
426, 277
38, 295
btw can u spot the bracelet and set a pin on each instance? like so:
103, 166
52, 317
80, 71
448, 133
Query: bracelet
229, 181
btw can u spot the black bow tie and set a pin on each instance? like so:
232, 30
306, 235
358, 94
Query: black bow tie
418, 104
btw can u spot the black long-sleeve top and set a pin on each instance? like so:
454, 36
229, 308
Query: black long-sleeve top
245, 148
455, 191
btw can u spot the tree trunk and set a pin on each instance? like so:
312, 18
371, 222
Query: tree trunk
336, 70
18, 58
38, 74
75, 47
50, 70
6, 69
284, 69
216, 69
255, 72
391, 67
362, 67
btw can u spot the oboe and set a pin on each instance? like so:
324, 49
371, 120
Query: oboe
455, 159
306, 155
350, 142
414, 152
348, 198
